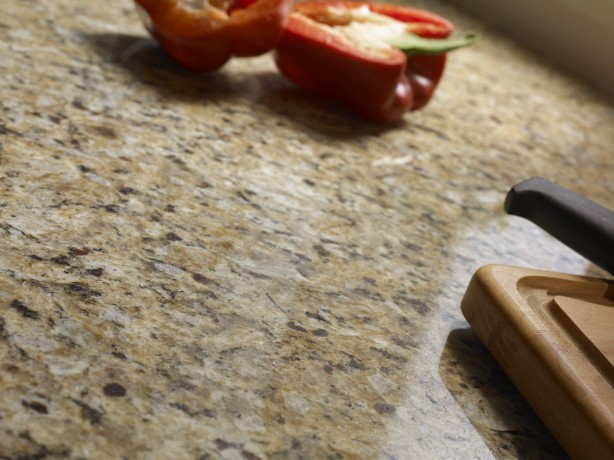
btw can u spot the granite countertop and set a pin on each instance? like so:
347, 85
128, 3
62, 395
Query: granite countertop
222, 266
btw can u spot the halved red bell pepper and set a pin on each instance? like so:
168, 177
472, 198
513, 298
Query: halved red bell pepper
379, 60
203, 35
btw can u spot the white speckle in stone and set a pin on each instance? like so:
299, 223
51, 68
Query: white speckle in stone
112, 313
167, 268
30, 225
97, 179
63, 368
490, 198
184, 318
249, 422
19, 33
295, 402
297, 147
38, 343
381, 384
392, 161
45, 101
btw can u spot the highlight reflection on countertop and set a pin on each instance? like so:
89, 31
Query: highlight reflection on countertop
221, 266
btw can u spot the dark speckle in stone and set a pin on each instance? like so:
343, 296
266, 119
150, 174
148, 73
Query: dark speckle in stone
292, 325
412, 246
384, 408
3, 334
5, 130
23, 310
25, 435
114, 389
170, 236
404, 320
328, 369
202, 279
222, 444
418, 305
77, 103
85, 169
362, 292
421, 307
261, 276
35, 257
61, 260
369, 280
356, 363
183, 408
127, 191
316, 316
320, 333
244, 195
78, 251
387, 354
88, 412
57, 119
248, 455
321, 250
280, 419
35, 406
83, 290
169, 208
95, 271
105, 131
112, 208
406, 342
119, 355
209, 294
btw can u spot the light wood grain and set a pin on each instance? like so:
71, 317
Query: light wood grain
549, 333
593, 320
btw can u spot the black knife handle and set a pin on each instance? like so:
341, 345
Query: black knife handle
575, 221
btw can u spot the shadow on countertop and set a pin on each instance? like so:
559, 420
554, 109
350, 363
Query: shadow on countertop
264, 90
508, 425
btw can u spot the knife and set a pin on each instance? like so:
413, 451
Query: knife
579, 223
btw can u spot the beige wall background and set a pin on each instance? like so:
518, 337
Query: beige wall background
576, 34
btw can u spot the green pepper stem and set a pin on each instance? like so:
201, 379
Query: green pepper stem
414, 44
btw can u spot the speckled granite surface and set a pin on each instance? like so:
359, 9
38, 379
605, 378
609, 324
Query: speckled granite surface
222, 266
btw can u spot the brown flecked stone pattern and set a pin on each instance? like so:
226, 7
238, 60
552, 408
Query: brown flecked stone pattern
222, 266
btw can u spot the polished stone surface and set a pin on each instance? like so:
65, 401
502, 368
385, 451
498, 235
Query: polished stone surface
222, 266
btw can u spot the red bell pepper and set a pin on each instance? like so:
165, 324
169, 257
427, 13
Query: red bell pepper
379, 60
203, 35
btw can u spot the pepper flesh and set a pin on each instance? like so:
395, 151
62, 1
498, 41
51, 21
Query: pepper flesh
203, 37
378, 85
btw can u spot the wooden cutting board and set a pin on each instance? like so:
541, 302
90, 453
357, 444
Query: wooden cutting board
553, 334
